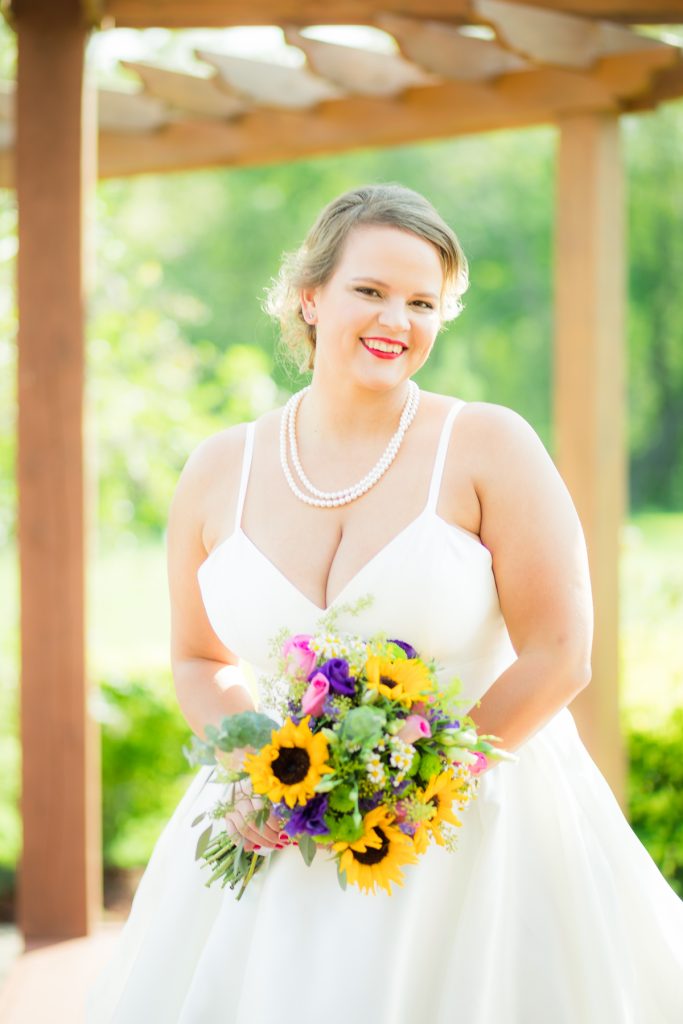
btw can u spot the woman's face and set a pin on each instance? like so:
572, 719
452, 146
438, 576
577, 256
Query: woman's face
378, 315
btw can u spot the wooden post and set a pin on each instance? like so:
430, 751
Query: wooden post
60, 872
590, 400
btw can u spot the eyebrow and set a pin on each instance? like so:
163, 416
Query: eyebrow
382, 284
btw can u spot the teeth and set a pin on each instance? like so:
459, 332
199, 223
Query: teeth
384, 346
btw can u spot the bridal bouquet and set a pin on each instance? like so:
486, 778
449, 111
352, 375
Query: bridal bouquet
368, 766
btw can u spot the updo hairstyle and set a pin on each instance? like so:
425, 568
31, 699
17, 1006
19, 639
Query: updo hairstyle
312, 265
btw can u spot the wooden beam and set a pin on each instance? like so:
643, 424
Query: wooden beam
589, 397
431, 112
60, 872
227, 13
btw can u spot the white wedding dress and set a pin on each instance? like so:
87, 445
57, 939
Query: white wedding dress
550, 910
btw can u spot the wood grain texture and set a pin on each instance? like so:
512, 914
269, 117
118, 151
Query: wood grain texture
60, 869
589, 397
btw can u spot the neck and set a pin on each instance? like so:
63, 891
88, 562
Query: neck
348, 412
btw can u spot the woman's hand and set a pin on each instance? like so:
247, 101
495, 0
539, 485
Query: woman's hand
240, 824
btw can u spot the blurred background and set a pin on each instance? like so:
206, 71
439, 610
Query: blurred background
179, 347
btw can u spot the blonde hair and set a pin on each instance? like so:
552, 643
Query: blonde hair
314, 262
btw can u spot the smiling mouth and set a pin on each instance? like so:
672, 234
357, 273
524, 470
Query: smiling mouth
383, 347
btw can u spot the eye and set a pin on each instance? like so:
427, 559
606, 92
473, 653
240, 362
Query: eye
423, 304
365, 290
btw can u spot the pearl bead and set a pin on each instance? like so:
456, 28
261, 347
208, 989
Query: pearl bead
333, 499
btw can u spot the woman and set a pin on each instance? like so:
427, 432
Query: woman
462, 532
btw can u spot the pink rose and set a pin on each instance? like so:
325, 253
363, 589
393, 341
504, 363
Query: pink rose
315, 695
415, 728
481, 764
298, 654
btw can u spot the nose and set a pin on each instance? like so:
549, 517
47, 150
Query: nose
394, 316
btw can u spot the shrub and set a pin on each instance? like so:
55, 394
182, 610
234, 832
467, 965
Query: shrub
144, 772
655, 795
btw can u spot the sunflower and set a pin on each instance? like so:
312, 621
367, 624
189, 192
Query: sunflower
398, 679
291, 765
441, 792
375, 858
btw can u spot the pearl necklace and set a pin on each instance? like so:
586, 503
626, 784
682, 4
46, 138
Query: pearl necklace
332, 499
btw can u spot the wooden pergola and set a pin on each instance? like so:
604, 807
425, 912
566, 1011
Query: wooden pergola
460, 66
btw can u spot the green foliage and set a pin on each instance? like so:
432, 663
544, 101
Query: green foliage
144, 772
363, 726
655, 795
246, 729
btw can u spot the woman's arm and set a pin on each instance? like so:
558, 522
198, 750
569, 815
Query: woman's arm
208, 682
540, 564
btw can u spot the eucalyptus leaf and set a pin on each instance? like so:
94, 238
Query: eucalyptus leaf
200, 817
341, 877
246, 729
203, 842
198, 752
307, 848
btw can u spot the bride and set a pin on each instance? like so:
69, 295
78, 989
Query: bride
453, 518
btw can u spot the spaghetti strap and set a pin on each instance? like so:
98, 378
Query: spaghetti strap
244, 479
440, 459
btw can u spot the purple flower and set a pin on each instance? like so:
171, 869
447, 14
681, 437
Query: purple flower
336, 670
309, 818
409, 651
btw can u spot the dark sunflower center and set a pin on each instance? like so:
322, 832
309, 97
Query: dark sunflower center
373, 856
388, 681
291, 765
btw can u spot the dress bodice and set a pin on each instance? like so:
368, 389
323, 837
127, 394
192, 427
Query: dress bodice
432, 585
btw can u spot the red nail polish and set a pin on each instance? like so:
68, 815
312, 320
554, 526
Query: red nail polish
283, 837
257, 846
279, 846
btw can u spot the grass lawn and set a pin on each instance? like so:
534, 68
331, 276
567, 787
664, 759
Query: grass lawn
129, 633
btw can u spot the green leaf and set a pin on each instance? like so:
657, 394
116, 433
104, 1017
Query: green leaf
198, 752
344, 828
326, 784
262, 815
341, 799
200, 817
307, 848
341, 877
246, 729
203, 842
430, 764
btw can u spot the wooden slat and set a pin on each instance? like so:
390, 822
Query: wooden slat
364, 72
549, 37
225, 13
276, 85
589, 397
206, 97
60, 888
445, 50
120, 111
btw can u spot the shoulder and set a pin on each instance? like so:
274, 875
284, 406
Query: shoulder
219, 453
499, 439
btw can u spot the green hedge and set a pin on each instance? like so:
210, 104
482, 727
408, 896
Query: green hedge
655, 794
144, 772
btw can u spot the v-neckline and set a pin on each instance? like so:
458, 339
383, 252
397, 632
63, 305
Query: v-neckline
427, 511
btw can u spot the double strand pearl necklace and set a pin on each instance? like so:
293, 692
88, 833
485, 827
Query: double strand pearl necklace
331, 499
